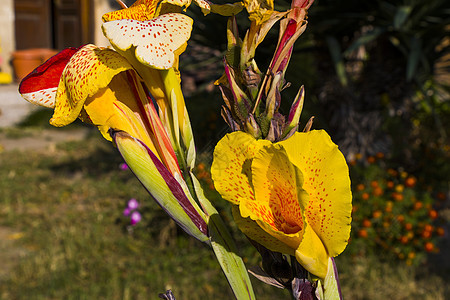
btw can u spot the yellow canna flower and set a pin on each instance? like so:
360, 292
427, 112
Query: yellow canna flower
292, 196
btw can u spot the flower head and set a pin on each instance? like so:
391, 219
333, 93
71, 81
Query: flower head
135, 218
133, 204
292, 197
126, 211
101, 87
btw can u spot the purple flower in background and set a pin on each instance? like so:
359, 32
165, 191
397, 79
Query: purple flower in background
133, 204
135, 217
131, 211
126, 212
123, 166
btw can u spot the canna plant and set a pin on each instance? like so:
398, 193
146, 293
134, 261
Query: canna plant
290, 190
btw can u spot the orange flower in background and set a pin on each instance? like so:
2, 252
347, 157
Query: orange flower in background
440, 231
408, 226
429, 246
377, 214
397, 196
380, 155
371, 159
426, 234
410, 181
428, 227
400, 218
378, 191
362, 233
367, 223
392, 172
441, 196
418, 205
433, 214
404, 240
201, 167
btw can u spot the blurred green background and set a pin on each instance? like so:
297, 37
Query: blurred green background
376, 75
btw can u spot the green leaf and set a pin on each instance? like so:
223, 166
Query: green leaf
336, 55
401, 15
364, 39
413, 57
225, 249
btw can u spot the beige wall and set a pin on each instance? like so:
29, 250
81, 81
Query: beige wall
7, 42
100, 8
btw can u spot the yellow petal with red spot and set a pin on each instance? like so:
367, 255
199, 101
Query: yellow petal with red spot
327, 181
232, 165
277, 187
156, 40
274, 182
141, 12
88, 71
311, 253
116, 107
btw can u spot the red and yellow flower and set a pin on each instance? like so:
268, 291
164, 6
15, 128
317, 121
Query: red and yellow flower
106, 88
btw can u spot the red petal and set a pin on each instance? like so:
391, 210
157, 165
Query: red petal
47, 75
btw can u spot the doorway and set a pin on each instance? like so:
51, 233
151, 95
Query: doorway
54, 24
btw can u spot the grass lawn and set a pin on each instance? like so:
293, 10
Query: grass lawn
63, 236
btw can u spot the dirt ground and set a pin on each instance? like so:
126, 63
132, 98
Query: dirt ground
40, 140
13, 108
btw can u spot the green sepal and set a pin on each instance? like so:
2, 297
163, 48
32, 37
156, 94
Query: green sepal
331, 287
